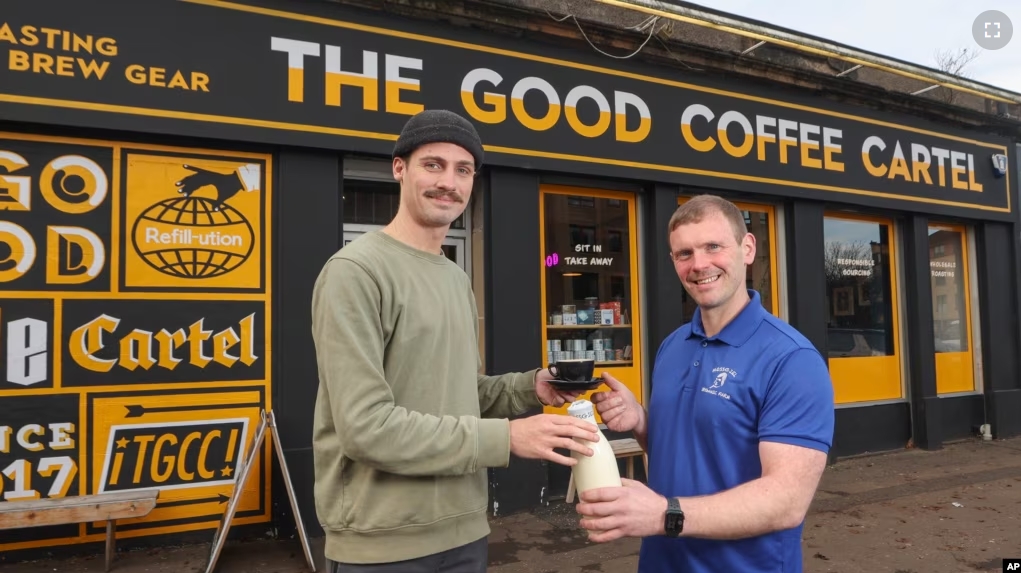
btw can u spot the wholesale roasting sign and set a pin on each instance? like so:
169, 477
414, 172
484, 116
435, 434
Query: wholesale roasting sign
336, 78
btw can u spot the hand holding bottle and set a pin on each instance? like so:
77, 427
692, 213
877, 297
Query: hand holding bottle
535, 437
618, 408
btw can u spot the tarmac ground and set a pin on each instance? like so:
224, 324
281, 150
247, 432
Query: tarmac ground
957, 509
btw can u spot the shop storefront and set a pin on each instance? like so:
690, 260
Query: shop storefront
164, 213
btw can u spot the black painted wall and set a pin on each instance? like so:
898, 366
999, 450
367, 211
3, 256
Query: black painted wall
806, 279
665, 312
308, 230
997, 248
512, 311
920, 351
877, 428
961, 416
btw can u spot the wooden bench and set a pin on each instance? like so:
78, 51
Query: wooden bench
623, 448
108, 507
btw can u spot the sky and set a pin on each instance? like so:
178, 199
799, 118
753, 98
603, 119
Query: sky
909, 30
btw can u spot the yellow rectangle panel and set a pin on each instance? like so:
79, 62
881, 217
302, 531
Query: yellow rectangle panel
955, 372
865, 379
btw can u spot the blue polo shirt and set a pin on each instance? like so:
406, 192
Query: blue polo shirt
713, 400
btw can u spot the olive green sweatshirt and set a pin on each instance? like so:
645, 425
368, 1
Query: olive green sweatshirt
405, 426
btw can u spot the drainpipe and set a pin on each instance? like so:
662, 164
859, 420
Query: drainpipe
684, 13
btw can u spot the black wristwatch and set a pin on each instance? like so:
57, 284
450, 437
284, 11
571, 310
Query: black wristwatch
674, 522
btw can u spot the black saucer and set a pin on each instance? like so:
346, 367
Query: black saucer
570, 385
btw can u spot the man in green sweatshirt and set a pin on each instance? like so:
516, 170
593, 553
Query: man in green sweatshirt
405, 426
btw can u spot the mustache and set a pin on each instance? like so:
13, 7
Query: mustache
437, 194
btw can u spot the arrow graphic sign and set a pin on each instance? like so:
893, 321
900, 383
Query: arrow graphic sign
138, 410
219, 498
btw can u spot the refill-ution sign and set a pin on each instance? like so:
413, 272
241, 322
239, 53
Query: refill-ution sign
134, 307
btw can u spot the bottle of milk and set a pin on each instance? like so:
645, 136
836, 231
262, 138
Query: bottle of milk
599, 470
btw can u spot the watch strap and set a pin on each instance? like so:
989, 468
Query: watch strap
674, 518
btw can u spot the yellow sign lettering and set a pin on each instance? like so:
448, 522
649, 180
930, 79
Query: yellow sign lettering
73, 184
73, 255
494, 109
15, 190
395, 79
142, 349
817, 147
87, 339
957, 166
158, 77
20, 255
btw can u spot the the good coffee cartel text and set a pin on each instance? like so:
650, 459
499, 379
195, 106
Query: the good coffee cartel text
304, 83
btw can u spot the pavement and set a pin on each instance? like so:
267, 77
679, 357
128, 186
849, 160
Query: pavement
957, 509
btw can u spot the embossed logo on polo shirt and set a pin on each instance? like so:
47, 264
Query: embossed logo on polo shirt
722, 373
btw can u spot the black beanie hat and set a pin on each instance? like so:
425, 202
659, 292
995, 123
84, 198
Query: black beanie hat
439, 125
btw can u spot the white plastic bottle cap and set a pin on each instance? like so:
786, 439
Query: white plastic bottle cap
582, 409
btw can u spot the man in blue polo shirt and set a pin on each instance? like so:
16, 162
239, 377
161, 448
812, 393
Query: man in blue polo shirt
739, 423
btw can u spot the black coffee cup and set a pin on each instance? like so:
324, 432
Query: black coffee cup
573, 370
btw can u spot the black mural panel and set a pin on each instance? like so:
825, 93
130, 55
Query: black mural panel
123, 342
39, 440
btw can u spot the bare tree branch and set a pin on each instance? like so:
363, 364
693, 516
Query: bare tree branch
954, 62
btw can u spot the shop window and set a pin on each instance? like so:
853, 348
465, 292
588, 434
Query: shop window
951, 312
590, 281
861, 305
762, 273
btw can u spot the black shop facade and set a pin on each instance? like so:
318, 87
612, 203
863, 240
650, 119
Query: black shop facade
144, 329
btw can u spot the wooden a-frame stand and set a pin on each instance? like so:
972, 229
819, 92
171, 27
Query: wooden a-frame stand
266, 420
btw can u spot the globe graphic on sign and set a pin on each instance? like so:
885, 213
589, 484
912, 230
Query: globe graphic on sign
193, 237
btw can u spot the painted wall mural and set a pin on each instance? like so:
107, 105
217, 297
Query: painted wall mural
134, 320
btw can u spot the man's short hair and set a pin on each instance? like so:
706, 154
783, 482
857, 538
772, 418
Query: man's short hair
701, 206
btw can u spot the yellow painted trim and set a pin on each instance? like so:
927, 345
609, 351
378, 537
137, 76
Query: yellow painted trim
634, 312
120, 146
855, 364
796, 46
966, 326
770, 211
180, 387
115, 221
286, 126
58, 341
750, 178
148, 295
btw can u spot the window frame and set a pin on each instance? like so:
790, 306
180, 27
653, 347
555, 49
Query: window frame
897, 280
970, 298
776, 265
632, 375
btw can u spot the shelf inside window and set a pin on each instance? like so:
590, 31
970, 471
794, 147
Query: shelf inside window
615, 363
585, 326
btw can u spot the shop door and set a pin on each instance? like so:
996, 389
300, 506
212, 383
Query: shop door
863, 343
589, 284
453, 247
762, 272
951, 309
